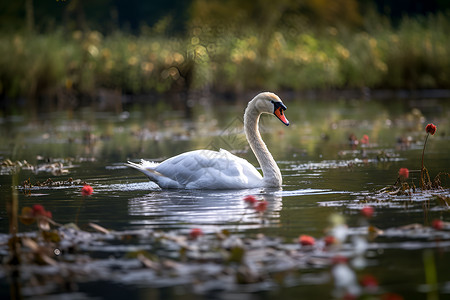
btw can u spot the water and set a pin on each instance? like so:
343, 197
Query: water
323, 175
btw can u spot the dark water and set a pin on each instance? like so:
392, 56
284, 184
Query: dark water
324, 175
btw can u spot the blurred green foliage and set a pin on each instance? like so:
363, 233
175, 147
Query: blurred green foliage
227, 46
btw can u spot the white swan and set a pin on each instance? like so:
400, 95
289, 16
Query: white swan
207, 169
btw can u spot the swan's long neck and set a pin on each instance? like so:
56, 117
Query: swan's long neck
271, 172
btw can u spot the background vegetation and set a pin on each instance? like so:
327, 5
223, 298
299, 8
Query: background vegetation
59, 52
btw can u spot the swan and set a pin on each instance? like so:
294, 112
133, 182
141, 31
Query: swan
214, 170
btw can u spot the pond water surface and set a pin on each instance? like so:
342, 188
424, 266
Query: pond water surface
326, 175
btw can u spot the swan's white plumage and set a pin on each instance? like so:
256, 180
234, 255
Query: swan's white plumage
207, 169
202, 169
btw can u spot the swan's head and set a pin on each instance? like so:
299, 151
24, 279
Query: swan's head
270, 103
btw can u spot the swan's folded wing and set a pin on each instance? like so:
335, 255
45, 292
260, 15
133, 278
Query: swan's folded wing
206, 169
247, 169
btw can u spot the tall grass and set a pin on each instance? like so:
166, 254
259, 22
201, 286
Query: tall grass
415, 55
32, 64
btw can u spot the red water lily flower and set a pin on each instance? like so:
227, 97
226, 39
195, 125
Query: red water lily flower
391, 296
250, 199
261, 206
87, 190
367, 211
38, 214
369, 281
365, 139
38, 210
403, 172
306, 240
437, 224
431, 128
339, 259
330, 240
195, 233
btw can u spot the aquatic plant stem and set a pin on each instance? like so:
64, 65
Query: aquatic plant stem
422, 184
430, 274
12, 208
78, 211
14, 246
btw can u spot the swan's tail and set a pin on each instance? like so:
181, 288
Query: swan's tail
148, 168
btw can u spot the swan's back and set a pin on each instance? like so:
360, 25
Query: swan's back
205, 169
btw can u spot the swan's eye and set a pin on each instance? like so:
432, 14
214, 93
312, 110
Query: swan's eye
279, 108
278, 105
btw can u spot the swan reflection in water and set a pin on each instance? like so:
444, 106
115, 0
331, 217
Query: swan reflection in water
208, 209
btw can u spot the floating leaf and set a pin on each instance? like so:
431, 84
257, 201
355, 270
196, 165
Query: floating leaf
41, 256
72, 226
244, 275
51, 236
236, 254
27, 217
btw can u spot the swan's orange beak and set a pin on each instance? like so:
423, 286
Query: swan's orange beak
279, 109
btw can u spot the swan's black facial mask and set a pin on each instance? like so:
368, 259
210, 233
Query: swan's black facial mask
278, 111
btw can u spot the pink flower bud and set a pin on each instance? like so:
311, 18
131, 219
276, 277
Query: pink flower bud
195, 233
306, 240
367, 211
87, 190
260, 206
431, 128
250, 199
403, 172
437, 224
